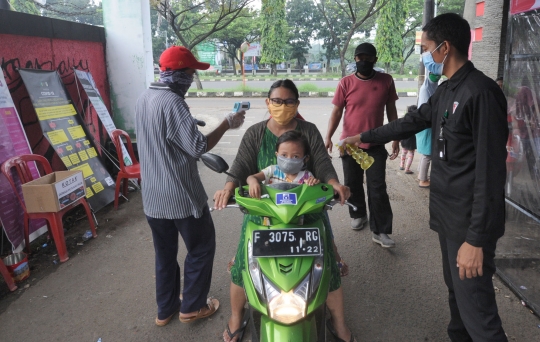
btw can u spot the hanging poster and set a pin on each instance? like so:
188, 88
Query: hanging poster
13, 143
518, 6
92, 92
66, 132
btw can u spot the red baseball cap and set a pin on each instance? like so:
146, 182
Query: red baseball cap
178, 57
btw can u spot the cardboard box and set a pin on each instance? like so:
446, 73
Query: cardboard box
53, 192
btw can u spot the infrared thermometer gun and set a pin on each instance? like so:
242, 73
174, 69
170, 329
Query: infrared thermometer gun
238, 106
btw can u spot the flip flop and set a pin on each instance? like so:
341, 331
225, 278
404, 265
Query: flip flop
240, 331
333, 331
211, 303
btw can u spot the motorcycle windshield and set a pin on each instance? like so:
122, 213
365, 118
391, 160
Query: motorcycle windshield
287, 204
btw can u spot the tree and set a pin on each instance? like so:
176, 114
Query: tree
351, 14
162, 35
303, 18
390, 25
81, 11
24, 6
194, 21
245, 29
274, 33
450, 6
412, 23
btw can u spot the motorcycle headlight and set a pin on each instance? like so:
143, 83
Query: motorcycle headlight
287, 307
255, 270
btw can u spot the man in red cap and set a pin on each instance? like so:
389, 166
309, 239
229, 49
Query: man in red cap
174, 198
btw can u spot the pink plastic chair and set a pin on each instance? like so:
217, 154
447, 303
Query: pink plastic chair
126, 172
54, 220
7, 277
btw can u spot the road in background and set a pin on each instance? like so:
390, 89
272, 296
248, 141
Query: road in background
219, 84
315, 110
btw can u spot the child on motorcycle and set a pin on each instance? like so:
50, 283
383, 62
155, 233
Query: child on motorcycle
292, 152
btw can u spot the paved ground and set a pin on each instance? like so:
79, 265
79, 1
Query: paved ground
106, 289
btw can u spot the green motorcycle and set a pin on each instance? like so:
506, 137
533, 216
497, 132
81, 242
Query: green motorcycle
288, 270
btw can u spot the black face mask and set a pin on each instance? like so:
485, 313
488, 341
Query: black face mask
364, 67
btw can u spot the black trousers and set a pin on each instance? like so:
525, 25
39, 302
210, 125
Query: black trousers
200, 239
473, 309
380, 212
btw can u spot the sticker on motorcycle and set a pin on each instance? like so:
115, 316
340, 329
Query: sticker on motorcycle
286, 198
320, 200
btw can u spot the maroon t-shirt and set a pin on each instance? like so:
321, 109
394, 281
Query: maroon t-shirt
364, 102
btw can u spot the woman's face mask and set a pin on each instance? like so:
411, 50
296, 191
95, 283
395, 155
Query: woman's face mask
290, 166
283, 114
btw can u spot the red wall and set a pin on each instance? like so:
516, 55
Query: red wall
60, 55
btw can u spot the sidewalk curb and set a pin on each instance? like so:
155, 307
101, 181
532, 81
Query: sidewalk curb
260, 94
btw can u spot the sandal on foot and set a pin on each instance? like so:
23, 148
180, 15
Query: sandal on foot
343, 268
212, 305
409, 172
333, 331
239, 332
163, 322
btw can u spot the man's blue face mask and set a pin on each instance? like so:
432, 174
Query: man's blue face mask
432, 66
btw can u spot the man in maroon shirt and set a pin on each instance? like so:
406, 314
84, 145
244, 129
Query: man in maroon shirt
364, 96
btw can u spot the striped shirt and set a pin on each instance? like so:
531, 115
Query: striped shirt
169, 144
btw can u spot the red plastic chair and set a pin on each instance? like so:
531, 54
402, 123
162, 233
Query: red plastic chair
126, 172
7, 277
54, 220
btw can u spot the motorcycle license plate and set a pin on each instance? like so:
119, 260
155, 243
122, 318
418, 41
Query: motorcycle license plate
286, 242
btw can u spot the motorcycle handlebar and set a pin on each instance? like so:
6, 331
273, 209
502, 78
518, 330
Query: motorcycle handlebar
227, 206
334, 202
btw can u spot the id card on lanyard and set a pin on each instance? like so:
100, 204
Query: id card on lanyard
441, 141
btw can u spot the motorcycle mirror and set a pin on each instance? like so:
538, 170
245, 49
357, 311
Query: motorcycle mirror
214, 162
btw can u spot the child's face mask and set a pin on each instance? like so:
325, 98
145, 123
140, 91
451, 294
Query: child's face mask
290, 165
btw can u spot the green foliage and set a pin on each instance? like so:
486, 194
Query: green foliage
24, 6
194, 21
274, 32
450, 6
343, 19
243, 29
412, 24
162, 34
81, 11
390, 25
303, 20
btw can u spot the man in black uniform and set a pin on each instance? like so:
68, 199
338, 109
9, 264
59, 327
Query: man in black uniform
468, 116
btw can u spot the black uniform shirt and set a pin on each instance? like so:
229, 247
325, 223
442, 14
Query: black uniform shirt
467, 190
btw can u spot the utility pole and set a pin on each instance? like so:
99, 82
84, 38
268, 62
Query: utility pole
429, 10
4, 5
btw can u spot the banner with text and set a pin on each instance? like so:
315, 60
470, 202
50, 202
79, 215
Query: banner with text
13, 143
66, 132
92, 92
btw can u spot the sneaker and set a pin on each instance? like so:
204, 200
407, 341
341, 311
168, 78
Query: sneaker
358, 223
383, 240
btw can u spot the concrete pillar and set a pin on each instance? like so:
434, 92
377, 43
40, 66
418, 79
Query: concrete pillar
129, 56
488, 34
